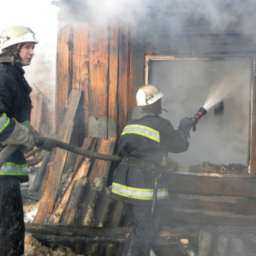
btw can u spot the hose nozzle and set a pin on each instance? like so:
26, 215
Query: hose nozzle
199, 114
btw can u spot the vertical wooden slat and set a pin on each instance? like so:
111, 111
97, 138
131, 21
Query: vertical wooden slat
99, 71
252, 132
123, 68
62, 69
113, 75
80, 56
131, 86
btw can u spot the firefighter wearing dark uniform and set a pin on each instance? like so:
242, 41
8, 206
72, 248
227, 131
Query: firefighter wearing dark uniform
17, 44
144, 143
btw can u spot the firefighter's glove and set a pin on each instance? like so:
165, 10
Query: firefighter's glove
21, 135
34, 157
186, 125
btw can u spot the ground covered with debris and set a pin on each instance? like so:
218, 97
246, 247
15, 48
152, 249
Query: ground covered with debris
35, 248
32, 246
31, 199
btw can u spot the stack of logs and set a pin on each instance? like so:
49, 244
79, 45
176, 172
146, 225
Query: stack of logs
74, 188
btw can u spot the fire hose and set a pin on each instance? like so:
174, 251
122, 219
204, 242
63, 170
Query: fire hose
49, 144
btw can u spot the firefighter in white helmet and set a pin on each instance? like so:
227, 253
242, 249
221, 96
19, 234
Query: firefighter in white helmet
16, 50
144, 142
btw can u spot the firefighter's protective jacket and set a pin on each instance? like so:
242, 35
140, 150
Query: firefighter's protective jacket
15, 103
144, 142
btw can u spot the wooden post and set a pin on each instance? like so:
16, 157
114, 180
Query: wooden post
252, 132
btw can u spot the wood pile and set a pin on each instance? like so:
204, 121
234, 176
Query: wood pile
74, 187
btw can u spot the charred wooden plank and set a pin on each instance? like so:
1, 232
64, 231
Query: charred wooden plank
100, 168
81, 232
117, 211
89, 203
85, 234
48, 199
58, 211
80, 169
210, 184
103, 207
233, 205
204, 217
71, 214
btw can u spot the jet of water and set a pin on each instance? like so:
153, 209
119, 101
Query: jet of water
220, 92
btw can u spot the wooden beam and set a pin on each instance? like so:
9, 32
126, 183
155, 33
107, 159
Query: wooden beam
232, 205
58, 211
87, 233
204, 217
71, 214
210, 184
62, 234
252, 131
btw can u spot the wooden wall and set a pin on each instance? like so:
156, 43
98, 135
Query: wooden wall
96, 59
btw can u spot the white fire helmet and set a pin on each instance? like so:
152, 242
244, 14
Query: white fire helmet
16, 35
147, 95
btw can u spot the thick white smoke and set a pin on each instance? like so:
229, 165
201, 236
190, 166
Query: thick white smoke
219, 14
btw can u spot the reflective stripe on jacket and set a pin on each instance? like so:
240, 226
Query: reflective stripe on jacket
142, 130
4, 122
12, 169
138, 193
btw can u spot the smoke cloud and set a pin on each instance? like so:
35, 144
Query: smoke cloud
217, 15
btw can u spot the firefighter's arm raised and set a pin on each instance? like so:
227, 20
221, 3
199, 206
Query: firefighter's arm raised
177, 139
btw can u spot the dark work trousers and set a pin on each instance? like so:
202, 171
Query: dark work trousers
12, 228
145, 229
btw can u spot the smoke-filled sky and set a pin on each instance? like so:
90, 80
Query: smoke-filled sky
40, 15
220, 14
